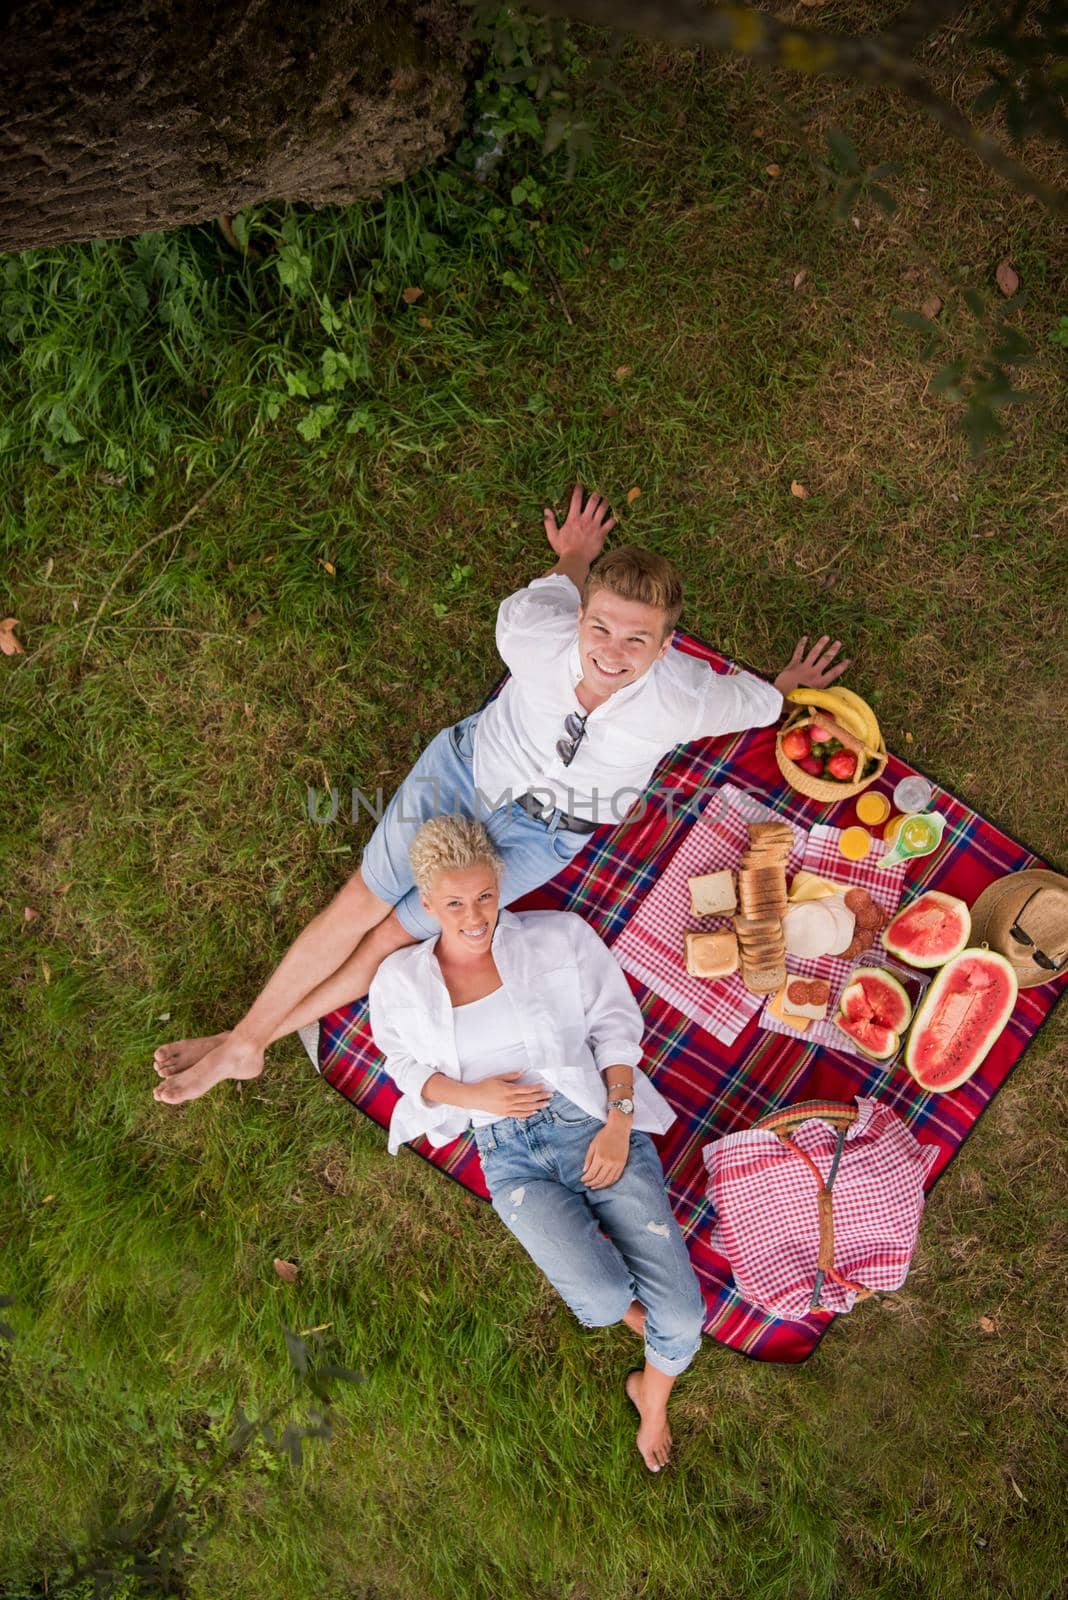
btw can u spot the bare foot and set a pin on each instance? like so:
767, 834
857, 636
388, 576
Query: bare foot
654, 1435
172, 1058
634, 1317
233, 1058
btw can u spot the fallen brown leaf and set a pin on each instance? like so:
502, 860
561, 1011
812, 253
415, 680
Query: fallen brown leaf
799, 278
988, 1325
610, 411
47, 573
410, 296
328, 566
46, 971
1008, 279
29, 914
285, 1270
9, 644
632, 495
931, 306
908, 738
425, 322
773, 170
623, 372
798, 490
65, 888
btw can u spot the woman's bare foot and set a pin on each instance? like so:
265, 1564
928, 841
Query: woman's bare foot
233, 1058
634, 1317
172, 1058
654, 1435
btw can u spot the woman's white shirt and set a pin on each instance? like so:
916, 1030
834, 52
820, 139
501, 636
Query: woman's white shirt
489, 1043
574, 1007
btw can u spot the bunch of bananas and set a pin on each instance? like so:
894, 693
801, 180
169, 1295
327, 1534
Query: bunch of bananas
847, 709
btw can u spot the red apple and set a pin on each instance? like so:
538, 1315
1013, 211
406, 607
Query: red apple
796, 744
811, 764
820, 733
842, 764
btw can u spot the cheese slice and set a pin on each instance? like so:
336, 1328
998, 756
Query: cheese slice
806, 886
777, 1007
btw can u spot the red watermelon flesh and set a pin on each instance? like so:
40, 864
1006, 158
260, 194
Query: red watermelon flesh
930, 931
960, 1016
874, 1011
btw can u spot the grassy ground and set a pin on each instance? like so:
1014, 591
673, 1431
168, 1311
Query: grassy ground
154, 818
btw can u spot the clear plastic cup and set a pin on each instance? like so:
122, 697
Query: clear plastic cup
913, 794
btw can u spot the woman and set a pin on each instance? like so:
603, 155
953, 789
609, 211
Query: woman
522, 1026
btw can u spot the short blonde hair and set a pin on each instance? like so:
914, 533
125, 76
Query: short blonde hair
636, 574
450, 844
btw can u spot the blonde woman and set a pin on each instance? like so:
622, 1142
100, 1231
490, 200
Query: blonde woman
521, 1026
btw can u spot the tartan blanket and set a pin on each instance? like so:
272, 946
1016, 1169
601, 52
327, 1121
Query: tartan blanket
717, 1088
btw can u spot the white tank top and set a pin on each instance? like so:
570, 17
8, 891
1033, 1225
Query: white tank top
489, 1043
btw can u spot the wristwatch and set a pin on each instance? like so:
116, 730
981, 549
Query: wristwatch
625, 1105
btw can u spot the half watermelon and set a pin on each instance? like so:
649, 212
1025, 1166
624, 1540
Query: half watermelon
960, 1016
930, 931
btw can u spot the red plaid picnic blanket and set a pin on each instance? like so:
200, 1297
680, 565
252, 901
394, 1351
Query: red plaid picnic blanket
767, 1216
716, 1088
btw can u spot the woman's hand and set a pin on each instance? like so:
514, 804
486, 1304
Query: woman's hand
606, 1157
507, 1098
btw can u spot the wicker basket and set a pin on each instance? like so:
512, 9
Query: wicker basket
819, 788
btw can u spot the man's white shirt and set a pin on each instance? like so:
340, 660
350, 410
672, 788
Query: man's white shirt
680, 698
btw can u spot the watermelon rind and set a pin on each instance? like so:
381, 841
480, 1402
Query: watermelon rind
892, 990
895, 934
927, 1014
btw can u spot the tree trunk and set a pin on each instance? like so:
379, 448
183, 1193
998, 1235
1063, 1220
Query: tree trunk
120, 116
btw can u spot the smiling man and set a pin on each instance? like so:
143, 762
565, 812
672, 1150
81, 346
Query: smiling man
595, 697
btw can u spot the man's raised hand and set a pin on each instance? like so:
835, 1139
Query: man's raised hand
585, 527
812, 669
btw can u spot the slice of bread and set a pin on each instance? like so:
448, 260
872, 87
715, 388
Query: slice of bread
711, 955
712, 895
764, 980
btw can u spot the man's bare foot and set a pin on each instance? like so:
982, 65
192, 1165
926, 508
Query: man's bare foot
634, 1317
233, 1058
654, 1435
176, 1057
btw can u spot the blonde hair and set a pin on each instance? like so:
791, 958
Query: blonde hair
450, 844
636, 574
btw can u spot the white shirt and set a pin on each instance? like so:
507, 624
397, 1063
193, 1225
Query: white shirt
680, 698
575, 1011
489, 1044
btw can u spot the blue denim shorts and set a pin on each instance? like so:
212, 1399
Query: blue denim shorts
441, 782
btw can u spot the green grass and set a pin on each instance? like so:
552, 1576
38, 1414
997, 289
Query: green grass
163, 778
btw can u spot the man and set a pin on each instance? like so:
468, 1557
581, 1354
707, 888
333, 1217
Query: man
596, 697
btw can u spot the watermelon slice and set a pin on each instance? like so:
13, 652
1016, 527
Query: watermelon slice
874, 1011
930, 931
960, 1016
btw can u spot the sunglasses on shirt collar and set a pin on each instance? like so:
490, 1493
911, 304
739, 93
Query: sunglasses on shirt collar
574, 731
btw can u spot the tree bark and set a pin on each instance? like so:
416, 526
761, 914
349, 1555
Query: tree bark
123, 116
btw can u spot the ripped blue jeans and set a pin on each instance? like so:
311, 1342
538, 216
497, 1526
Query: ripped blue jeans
599, 1248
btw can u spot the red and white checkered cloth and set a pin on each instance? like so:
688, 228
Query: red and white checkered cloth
767, 1216
653, 944
884, 884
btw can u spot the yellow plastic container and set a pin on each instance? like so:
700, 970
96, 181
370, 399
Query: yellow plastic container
890, 832
855, 843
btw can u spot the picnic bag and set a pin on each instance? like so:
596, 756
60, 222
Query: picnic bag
818, 1205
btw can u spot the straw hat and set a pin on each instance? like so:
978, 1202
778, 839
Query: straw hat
1040, 899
